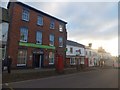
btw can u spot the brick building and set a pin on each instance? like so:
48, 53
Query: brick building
34, 37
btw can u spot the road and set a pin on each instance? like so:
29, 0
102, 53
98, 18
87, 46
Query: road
101, 78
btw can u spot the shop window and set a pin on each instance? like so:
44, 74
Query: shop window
51, 58
22, 57
72, 61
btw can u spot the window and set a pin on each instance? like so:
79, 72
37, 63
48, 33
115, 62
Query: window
71, 50
25, 14
51, 40
90, 53
60, 28
82, 60
39, 37
40, 20
60, 42
51, 58
52, 24
22, 57
23, 34
72, 61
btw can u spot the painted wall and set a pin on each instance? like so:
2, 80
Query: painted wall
74, 50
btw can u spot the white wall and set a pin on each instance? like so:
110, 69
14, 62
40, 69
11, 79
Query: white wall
4, 30
74, 50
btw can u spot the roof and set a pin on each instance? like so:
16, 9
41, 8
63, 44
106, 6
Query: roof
73, 43
29, 7
5, 17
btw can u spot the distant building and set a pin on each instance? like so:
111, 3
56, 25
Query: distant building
105, 57
4, 23
75, 51
34, 37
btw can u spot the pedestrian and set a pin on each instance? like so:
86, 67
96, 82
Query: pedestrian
9, 62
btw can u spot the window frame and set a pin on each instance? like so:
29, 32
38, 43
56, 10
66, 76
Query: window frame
52, 24
72, 61
61, 27
71, 50
59, 41
40, 22
39, 36
27, 14
53, 58
50, 39
25, 57
24, 28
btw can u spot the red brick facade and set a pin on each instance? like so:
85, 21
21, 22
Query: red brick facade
16, 22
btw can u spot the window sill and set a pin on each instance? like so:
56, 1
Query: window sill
39, 25
25, 20
60, 46
39, 43
21, 64
22, 41
51, 63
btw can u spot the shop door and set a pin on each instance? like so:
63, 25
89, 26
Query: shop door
38, 60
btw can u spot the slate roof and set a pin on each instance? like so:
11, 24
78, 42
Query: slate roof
73, 43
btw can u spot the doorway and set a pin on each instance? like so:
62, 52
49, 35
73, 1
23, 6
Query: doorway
38, 60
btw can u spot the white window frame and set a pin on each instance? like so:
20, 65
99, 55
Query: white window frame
25, 14
59, 42
40, 20
25, 28
50, 40
41, 37
25, 59
60, 27
52, 24
53, 58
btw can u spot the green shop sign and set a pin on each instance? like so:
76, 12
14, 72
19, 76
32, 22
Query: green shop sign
35, 45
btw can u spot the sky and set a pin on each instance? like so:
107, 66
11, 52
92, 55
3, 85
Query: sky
93, 22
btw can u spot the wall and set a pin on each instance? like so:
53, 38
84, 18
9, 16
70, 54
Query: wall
74, 50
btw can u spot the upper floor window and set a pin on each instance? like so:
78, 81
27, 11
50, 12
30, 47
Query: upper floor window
51, 40
25, 14
39, 37
60, 42
40, 20
52, 24
71, 50
24, 34
60, 27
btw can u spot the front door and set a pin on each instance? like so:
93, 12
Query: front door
38, 60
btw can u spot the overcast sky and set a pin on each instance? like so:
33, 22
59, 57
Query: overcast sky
88, 22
